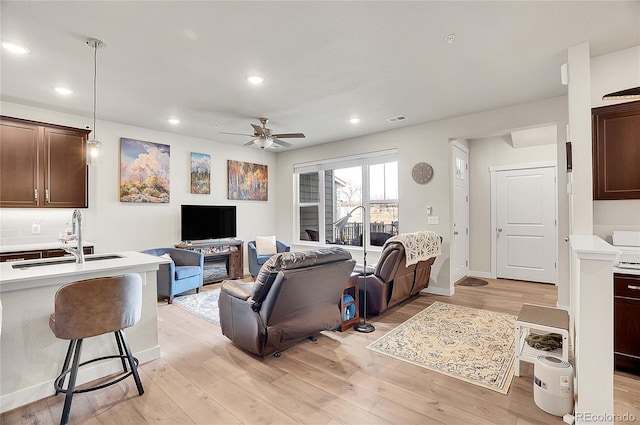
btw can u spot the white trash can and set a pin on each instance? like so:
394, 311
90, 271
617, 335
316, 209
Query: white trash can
553, 385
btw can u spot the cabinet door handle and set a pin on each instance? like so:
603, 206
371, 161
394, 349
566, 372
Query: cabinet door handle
35, 195
46, 195
634, 287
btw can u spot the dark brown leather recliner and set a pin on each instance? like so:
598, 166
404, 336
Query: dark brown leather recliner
295, 296
392, 281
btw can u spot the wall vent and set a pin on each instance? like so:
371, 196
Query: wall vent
397, 119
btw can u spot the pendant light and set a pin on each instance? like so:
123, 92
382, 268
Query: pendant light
94, 147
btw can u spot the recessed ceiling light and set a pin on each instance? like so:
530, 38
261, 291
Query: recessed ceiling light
63, 91
15, 48
354, 120
449, 38
174, 121
255, 79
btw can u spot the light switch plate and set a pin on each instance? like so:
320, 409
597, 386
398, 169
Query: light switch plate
35, 228
433, 219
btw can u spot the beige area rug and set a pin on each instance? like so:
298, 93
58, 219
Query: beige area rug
476, 346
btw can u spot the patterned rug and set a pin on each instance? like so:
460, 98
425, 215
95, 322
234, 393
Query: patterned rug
476, 346
203, 305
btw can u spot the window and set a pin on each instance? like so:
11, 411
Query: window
364, 189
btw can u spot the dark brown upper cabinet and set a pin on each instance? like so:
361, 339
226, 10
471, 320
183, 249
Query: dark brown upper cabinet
42, 165
616, 151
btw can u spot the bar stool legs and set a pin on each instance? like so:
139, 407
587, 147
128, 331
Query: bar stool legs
72, 382
81, 312
74, 351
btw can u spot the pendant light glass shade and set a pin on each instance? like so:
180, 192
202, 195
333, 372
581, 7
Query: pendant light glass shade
94, 152
94, 147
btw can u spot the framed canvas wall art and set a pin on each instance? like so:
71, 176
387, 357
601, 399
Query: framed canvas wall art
248, 181
144, 171
200, 173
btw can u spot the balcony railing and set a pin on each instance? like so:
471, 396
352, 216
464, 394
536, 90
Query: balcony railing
351, 233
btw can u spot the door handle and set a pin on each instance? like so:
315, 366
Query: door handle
455, 233
499, 229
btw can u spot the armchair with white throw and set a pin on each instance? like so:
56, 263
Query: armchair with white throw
263, 248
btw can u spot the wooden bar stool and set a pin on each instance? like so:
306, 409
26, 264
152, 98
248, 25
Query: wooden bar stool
90, 308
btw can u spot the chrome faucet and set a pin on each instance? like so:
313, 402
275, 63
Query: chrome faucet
76, 229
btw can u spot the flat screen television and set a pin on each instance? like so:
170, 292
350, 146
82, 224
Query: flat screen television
200, 222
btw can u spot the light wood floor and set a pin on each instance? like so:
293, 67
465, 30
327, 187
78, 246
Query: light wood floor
202, 378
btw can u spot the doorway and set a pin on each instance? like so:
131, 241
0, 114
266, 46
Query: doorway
524, 221
460, 208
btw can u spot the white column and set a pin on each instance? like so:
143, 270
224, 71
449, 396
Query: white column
591, 327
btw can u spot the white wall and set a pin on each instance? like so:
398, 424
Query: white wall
610, 73
115, 226
424, 142
485, 153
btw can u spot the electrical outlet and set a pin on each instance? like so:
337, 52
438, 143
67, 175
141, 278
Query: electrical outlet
433, 219
35, 228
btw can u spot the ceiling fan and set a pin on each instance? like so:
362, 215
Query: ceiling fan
263, 138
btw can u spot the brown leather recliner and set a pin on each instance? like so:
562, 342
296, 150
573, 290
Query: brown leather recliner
295, 296
392, 280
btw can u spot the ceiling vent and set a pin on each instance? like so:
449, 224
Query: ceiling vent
397, 119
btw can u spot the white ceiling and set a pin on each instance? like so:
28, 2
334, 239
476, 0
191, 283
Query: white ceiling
323, 61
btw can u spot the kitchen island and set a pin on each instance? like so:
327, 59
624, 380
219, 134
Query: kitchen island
31, 356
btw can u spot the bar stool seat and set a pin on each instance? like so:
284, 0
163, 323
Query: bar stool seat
93, 307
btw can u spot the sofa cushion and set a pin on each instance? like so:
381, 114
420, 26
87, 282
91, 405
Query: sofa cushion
183, 272
266, 245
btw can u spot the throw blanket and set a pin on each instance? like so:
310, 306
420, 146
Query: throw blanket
418, 246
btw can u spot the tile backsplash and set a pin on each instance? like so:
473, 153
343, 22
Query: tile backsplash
16, 225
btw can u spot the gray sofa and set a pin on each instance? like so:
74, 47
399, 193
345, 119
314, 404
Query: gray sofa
295, 296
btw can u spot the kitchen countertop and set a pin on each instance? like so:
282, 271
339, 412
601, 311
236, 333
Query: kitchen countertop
31, 277
620, 270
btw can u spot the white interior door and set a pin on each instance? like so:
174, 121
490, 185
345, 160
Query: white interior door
526, 224
460, 236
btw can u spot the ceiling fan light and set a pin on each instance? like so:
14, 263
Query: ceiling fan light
263, 142
633, 93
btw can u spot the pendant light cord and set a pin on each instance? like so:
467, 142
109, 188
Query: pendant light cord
95, 77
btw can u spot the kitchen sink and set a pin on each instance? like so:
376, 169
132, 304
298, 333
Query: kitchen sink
62, 260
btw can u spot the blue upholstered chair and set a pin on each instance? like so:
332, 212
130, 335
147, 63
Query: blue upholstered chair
256, 261
185, 272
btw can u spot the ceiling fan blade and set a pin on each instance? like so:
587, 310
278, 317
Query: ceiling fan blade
237, 134
259, 130
281, 142
289, 136
249, 143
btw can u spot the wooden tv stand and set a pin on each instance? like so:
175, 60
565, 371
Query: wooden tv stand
229, 250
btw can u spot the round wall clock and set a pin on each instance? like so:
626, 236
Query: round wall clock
422, 173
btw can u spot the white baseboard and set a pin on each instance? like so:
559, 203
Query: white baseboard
85, 374
484, 275
447, 292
